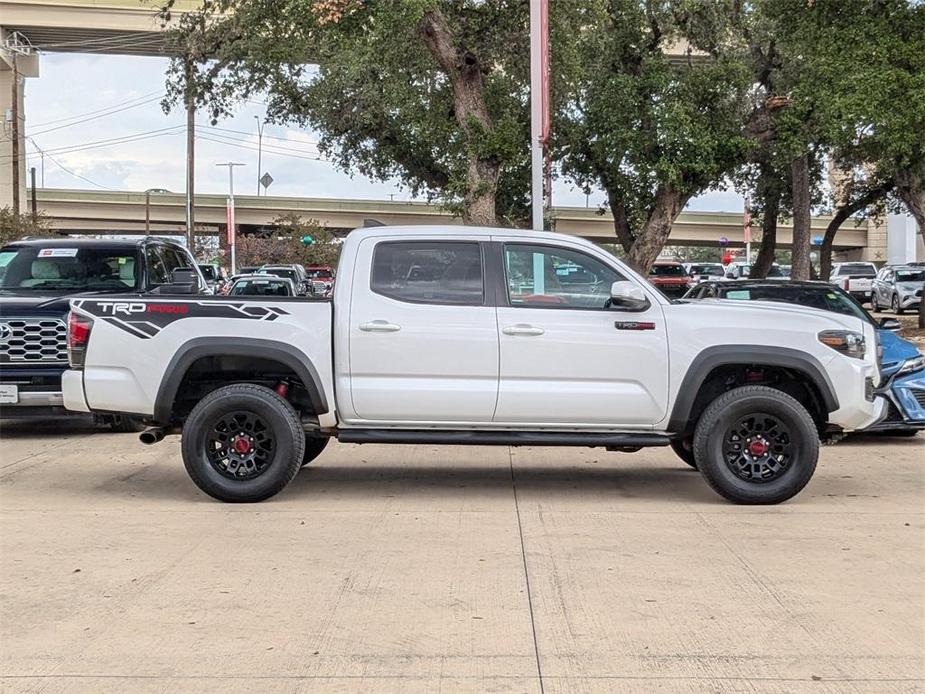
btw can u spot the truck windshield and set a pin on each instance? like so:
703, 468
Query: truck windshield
29, 269
667, 271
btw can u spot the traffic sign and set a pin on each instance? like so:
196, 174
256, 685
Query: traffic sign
817, 240
266, 180
723, 240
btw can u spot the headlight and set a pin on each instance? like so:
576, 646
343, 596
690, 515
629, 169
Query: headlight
849, 343
910, 365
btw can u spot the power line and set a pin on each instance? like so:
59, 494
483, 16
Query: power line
254, 149
312, 143
104, 41
275, 149
157, 94
77, 175
108, 142
101, 115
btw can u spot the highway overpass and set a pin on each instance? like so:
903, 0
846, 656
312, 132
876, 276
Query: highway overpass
110, 212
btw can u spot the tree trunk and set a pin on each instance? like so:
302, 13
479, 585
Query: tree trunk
649, 243
843, 213
769, 186
799, 180
464, 71
621, 224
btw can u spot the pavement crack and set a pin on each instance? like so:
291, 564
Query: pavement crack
523, 554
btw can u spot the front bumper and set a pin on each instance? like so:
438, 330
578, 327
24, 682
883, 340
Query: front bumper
906, 398
38, 391
910, 300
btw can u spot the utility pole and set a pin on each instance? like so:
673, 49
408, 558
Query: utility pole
259, 151
190, 159
15, 133
41, 155
539, 104
230, 209
35, 207
747, 229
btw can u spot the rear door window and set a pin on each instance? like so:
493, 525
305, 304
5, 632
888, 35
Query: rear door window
430, 272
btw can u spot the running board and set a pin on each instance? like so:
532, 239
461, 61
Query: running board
502, 438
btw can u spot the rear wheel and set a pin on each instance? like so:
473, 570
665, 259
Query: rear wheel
756, 445
684, 450
874, 304
242, 443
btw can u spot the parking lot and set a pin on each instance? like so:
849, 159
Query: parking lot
416, 568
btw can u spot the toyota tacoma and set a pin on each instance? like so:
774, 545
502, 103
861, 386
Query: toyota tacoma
477, 336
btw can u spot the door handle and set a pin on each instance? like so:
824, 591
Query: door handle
379, 326
522, 329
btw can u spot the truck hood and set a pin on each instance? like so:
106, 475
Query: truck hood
767, 310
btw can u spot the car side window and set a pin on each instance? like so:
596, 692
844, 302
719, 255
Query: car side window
157, 268
429, 272
550, 277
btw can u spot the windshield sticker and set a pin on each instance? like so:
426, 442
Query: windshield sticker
739, 294
58, 253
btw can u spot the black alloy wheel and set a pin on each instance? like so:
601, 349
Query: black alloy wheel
758, 447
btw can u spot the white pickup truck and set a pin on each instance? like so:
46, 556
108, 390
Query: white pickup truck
476, 336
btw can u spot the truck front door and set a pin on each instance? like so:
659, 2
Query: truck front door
568, 359
423, 334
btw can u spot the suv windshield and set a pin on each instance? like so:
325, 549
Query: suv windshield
910, 275
667, 271
67, 269
286, 272
321, 274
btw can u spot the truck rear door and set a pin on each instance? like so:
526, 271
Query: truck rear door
423, 337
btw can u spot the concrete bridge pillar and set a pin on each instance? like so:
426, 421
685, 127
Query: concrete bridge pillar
13, 52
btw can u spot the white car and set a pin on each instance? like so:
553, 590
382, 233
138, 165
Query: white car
497, 337
741, 271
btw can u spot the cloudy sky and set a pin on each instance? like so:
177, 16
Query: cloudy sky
99, 120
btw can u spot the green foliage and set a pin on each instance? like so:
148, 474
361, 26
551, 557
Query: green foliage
650, 129
359, 74
14, 227
284, 244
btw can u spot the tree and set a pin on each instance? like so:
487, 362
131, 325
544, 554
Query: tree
431, 92
14, 227
285, 244
650, 129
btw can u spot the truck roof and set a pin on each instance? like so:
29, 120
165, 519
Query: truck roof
474, 232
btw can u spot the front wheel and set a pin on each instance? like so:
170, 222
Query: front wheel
242, 443
897, 308
756, 445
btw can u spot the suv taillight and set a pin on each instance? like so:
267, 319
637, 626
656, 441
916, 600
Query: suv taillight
78, 334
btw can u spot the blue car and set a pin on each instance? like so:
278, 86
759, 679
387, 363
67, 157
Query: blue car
902, 366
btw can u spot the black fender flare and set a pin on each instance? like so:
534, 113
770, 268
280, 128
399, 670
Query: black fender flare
197, 348
731, 355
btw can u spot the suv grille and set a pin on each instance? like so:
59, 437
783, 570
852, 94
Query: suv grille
34, 340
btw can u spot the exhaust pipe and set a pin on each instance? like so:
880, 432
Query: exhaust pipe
152, 435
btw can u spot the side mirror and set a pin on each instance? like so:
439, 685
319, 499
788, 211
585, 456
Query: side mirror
890, 324
626, 296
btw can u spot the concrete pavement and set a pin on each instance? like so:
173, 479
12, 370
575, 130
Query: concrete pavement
420, 569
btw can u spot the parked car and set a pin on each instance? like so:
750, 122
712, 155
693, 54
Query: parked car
898, 288
483, 345
902, 365
785, 270
294, 272
321, 278
213, 276
39, 278
670, 276
741, 271
855, 278
263, 285
700, 272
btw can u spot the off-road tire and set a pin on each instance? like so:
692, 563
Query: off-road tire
713, 435
314, 445
684, 452
266, 406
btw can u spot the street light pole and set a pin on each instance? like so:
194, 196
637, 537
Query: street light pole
230, 209
259, 151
